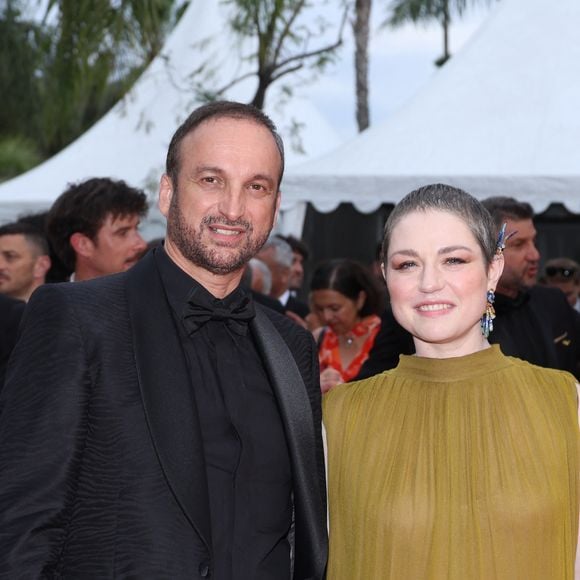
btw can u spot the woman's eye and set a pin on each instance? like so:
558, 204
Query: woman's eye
454, 260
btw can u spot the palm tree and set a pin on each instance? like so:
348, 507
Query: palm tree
403, 11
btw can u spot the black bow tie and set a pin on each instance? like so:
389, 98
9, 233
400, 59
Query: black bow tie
236, 310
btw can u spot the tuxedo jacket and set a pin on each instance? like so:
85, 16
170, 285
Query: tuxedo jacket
101, 462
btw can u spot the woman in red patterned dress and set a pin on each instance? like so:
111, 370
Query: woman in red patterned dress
347, 300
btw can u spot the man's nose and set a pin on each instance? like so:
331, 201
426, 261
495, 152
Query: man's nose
139, 243
533, 253
232, 204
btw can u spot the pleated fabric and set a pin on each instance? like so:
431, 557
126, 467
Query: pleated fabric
455, 469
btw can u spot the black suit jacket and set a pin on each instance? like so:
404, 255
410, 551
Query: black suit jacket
10, 314
101, 464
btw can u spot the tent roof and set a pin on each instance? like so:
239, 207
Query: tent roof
500, 118
131, 141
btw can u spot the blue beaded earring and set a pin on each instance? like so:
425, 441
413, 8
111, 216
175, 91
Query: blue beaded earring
488, 315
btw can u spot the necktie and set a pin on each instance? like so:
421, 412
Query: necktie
201, 307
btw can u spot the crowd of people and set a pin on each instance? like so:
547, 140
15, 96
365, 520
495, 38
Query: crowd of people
161, 408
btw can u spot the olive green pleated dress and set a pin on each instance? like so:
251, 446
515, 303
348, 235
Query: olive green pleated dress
454, 469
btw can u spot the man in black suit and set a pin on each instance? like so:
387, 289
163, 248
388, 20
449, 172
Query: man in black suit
157, 423
10, 313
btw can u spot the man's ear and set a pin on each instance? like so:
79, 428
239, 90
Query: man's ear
495, 271
82, 245
165, 194
42, 266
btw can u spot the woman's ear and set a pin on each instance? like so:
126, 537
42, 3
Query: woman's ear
495, 271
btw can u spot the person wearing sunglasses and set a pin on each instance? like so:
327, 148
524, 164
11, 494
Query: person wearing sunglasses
564, 273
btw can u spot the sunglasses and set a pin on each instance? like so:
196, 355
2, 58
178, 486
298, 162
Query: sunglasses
552, 271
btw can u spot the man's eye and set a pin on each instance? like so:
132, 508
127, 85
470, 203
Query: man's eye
257, 187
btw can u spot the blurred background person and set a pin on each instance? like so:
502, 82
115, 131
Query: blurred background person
57, 272
564, 273
346, 299
261, 276
258, 279
534, 322
94, 227
277, 255
300, 255
24, 260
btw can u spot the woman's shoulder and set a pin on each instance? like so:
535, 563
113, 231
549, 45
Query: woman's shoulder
542, 377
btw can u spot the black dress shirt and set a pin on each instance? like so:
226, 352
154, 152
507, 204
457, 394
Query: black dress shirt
247, 461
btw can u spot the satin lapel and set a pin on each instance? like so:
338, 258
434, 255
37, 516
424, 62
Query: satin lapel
167, 393
292, 397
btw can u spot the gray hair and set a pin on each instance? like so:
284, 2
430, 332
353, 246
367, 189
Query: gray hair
257, 264
441, 197
282, 254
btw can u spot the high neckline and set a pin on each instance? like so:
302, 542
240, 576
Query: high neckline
453, 369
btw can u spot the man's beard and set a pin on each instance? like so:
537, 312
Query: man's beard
190, 243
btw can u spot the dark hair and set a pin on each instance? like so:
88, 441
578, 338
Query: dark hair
297, 245
32, 235
441, 197
349, 278
84, 207
502, 208
218, 110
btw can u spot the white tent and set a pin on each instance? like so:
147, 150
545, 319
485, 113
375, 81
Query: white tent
131, 141
502, 117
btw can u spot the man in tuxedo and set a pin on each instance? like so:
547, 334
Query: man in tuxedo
167, 426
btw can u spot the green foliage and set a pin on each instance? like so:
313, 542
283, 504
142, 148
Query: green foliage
17, 155
21, 46
74, 65
403, 11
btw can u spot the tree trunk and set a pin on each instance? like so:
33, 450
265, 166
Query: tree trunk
445, 21
360, 28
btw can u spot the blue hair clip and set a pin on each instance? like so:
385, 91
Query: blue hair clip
501, 240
